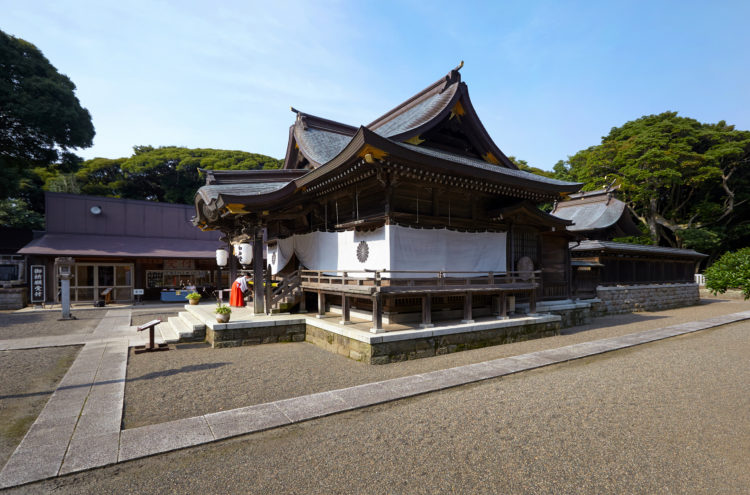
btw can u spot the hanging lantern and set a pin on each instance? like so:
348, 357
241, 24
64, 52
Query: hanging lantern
245, 253
222, 257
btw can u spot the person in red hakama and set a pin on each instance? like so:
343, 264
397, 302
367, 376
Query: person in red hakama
237, 295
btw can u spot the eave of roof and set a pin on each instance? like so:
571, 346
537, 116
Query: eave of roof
634, 248
119, 246
442, 161
216, 177
592, 216
530, 209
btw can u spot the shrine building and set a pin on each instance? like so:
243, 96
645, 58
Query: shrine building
418, 214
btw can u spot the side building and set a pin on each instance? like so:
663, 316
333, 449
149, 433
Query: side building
623, 277
122, 245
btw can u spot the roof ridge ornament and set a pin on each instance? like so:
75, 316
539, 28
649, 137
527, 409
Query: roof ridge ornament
452, 77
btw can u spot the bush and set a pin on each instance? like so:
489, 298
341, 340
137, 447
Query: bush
731, 271
222, 309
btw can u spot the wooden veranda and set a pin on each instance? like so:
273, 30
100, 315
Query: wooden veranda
377, 285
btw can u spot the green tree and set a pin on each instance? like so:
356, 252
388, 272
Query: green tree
524, 165
687, 181
731, 271
41, 121
17, 213
169, 174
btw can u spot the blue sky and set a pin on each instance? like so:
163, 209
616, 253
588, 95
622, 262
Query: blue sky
547, 78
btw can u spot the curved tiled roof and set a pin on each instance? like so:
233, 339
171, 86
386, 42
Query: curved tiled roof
211, 192
591, 216
414, 114
477, 163
320, 145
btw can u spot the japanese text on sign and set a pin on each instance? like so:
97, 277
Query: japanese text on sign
37, 283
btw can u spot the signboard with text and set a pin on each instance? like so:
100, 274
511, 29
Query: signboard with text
37, 283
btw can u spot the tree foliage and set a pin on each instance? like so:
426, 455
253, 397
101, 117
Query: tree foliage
687, 181
41, 121
169, 174
731, 271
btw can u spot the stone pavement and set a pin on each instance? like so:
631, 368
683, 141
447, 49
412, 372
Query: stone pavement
80, 426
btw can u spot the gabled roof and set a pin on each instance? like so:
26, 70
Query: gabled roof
319, 140
316, 138
423, 108
596, 210
436, 133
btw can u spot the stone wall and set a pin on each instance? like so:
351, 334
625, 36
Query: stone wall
416, 348
12, 298
235, 337
656, 297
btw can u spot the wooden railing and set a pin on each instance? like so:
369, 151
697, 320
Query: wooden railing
416, 279
285, 288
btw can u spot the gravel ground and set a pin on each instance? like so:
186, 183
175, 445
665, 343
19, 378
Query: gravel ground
667, 417
46, 324
195, 379
28, 379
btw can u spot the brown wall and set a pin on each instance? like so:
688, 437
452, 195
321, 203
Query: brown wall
70, 214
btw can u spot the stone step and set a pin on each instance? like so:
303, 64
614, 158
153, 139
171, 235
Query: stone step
194, 312
167, 333
193, 322
181, 328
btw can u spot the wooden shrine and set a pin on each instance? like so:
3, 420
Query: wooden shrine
416, 212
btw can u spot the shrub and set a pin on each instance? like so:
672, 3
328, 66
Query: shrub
222, 309
731, 271
193, 295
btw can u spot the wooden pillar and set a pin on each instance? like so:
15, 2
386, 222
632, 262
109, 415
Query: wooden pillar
467, 308
258, 292
345, 310
426, 311
302, 302
503, 307
269, 289
377, 313
321, 305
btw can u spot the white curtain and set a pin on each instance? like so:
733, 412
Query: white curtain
393, 247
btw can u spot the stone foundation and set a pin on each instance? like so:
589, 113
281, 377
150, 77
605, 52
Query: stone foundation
392, 351
656, 297
13, 298
265, 334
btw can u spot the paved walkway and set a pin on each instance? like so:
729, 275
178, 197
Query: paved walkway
79, 427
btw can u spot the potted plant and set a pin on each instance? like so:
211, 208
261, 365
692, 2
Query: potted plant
222, 313
193, 297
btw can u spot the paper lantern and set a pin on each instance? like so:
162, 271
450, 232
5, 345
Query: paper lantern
222, 257
245, 253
